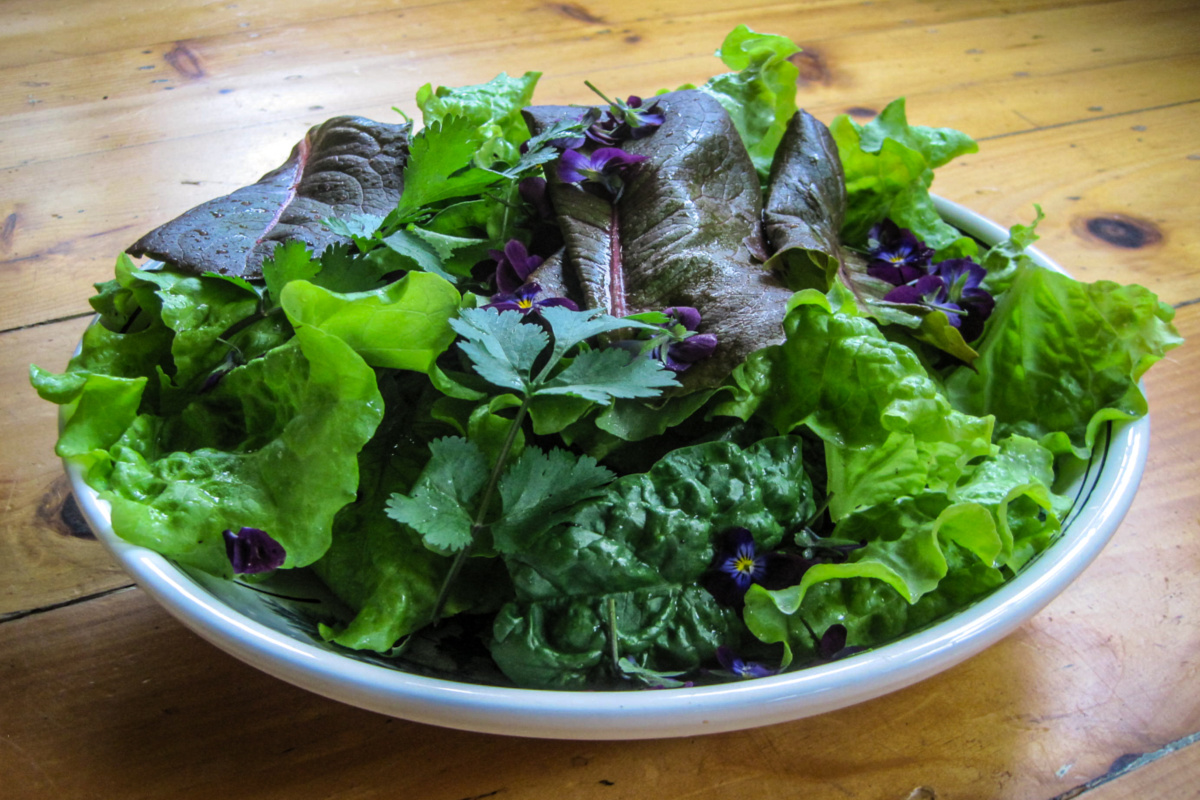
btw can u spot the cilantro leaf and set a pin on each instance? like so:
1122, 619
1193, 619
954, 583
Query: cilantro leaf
500, 346
289, 262
539, 149
439, 168
408, 244
573, 327
540, 490
603, 375
359, 227
439, 507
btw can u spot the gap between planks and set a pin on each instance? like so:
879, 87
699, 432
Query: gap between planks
31, 612
1128, 764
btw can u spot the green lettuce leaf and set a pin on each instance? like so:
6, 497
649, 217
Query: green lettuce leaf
974, 535
305, 410
1059, 358
761, 95
888, 429
404, 325
889, 169
494, 108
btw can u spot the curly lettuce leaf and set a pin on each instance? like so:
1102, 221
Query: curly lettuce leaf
493, 107
972, 536
305, 409
1059, 358
888, 429
761, 95
889, 168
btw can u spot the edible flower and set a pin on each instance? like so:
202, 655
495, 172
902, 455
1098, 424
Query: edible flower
601, 168
896, 254
524, 300
736, 565
954, 287
624, 119
251, 551
734, 663
514, 265
691, 347
533, 192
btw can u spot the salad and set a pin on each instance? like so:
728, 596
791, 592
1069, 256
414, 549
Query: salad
657, 391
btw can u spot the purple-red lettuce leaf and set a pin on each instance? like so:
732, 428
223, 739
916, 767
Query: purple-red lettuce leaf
344, 167
686, 231
805, 206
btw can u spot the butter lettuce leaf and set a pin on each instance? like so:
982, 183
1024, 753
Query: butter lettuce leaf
304, 409
1059, 358
404, 325
889, 168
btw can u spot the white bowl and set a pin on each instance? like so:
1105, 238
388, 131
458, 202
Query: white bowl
269, 631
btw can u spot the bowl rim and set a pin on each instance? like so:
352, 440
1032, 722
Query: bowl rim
655, 714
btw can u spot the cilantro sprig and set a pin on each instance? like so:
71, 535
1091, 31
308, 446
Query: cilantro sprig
450, 505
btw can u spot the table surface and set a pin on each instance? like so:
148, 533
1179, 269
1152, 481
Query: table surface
116, 119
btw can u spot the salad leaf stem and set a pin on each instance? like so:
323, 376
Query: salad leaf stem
485, 503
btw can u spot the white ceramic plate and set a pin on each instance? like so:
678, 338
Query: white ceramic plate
271, 626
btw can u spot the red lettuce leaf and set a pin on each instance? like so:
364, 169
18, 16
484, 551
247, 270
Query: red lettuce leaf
344, 167
686, 231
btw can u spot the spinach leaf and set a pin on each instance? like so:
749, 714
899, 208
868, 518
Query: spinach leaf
637, 553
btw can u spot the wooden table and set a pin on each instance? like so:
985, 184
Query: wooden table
115, 119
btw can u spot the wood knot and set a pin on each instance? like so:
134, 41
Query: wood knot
1120, 230
185, 61
577, 12
59, 511
813, 67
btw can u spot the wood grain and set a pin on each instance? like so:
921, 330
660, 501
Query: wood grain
1171, 776
47, 554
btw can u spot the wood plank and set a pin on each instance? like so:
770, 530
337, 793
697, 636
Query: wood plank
1095, 676
62, 233
76, 28
47, 554
1126, 178
234, 82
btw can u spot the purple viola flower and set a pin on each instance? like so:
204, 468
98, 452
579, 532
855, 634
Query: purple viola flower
623, 120
744, 563
732, 662
533, 192
927, 290
641, 121
736, 565
524, 300
896, 254
514, 265
252, 551
677, 356
686, 316
602, 168
954, 287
